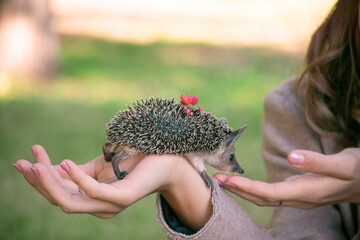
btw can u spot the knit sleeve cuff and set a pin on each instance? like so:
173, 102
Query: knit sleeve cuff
172, 226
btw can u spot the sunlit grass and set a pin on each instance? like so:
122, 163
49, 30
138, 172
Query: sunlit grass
111, 72
96, 79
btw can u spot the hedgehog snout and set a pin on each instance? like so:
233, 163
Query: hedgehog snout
236, 168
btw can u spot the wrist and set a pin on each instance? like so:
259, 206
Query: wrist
187, 194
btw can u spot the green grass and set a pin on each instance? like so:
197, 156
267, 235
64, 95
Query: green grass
96, 79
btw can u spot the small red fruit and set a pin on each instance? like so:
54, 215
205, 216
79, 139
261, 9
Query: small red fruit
201, 108
185, 102
183, 97
190, 99
195, 100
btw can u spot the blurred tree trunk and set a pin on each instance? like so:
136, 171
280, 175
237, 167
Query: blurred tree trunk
28, 47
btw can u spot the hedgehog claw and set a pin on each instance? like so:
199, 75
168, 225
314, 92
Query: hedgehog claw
107, 154
207, 179
121, 175
115, 163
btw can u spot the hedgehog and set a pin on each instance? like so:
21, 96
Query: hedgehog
156, 126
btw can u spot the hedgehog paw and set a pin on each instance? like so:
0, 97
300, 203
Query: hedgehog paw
107, 154
121, 175
207, 179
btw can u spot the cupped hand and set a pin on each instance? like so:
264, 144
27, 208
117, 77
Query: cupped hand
330, 179
93, 188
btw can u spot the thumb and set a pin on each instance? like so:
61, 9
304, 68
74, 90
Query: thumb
339, 165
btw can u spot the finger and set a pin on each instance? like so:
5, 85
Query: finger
267, 192
315, 190
342, 165
40, 155
261, 200
61, 172
62, 178
252, 198
243, 186
101, 191
71, 202
221, 177
57, 195
27, 172
31, 175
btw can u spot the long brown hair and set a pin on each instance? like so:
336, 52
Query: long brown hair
330, 82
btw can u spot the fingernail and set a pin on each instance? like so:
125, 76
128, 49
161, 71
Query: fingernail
220, 183
230, 185
35, 171
65, 167
18, 168
33, 151
296, 158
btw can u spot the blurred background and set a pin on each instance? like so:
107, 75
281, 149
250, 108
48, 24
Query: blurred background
67, 66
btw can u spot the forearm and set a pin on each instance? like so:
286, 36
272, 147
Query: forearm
188, 196
209, 214
228, 220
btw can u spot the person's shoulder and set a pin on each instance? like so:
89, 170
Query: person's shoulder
284, 90
284, 97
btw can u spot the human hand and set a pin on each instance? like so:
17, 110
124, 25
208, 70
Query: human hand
93, 188
59, 188
331, 179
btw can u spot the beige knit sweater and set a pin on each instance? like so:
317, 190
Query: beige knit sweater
284, 129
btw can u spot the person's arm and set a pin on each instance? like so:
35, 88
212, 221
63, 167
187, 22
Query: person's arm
332, 179
82, 189
285, 129
75, 189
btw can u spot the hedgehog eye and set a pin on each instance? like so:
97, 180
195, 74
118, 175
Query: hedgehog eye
231, 157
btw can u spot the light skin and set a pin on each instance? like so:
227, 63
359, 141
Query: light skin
329, 179
93, 188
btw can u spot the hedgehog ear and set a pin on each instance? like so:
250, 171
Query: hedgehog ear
224, 120
231, 138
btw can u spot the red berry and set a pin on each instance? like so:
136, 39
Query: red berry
195, 100
185, 102
183, 97
201, 108
188, 111
190, 99
191, 113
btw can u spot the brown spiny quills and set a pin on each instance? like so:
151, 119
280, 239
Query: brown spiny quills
163, 126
